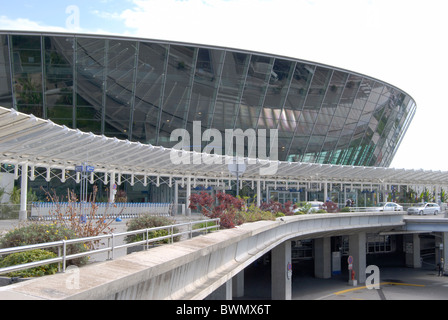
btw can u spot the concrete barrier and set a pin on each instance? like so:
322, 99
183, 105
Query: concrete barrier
194, 268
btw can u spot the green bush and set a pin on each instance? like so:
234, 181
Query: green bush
35, 233
255, 213
30, 256
146, 222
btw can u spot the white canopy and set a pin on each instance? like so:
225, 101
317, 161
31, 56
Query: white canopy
25, 139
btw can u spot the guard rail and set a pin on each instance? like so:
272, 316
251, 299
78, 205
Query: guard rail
109, 248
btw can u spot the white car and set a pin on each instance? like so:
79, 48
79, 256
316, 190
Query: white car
425, 208
315, 206
387, 206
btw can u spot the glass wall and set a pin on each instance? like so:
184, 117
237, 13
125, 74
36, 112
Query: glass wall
143, 90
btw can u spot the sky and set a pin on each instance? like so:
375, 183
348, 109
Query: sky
402, 42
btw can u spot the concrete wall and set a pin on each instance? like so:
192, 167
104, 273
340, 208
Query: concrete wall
195, 268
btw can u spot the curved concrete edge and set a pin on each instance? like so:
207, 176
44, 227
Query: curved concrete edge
194, 268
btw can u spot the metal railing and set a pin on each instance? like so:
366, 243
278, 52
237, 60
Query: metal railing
111, 246
44, 209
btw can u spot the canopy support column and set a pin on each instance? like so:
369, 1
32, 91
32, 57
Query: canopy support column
23, 216
112, 188
187, 209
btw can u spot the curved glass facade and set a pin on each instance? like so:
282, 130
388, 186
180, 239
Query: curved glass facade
142, 90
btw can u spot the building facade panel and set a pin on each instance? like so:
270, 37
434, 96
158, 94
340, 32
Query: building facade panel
142, 90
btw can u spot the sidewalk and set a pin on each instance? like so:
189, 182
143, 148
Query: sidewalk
6, 225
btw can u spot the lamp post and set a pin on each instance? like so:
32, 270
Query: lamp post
237, 168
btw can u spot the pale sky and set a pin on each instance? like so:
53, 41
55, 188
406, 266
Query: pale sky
402, 42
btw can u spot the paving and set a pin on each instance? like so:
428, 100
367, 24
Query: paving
395, 283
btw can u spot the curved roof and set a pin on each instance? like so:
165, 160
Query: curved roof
143, 89
42, 143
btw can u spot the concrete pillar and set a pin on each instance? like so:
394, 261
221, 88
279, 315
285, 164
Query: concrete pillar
281, 272
325, 191
187, 209
112, 189
238, 285
357, 249
176, 197
412, 251
23, 193
224, 292
258, 192
444, 250
322, 258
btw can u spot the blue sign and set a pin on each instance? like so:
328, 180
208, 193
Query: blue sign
84, 169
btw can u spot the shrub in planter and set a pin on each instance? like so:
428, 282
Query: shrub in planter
222, 205
255, 213
35, 233
146, 222
30, 256
276, 207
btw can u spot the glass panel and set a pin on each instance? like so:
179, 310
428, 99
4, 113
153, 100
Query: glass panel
5, 73
177, 90
318, 88
298, 90
91, 69
229, 113
58, 53
351, 91
150, 80
88, 118
258, 77
205, 88
279, 82
334, 92
27, 73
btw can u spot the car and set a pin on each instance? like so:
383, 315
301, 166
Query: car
387, 206
314, 207
425, 208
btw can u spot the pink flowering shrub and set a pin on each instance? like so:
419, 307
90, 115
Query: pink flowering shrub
223, 206
233, 211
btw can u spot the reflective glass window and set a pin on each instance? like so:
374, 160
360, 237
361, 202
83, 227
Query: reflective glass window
350, 91
5, 73
301, 80
229, 99
176, 99
279, 82
207, 76
334, 92
150, 82
91, 85
27, 73
58, 65
258, 76
319, 85
143, 91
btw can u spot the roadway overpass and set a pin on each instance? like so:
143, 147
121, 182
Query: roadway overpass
210, 265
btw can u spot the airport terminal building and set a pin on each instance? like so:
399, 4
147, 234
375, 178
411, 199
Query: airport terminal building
141, 90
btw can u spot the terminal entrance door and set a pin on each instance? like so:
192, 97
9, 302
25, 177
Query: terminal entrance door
284, 196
